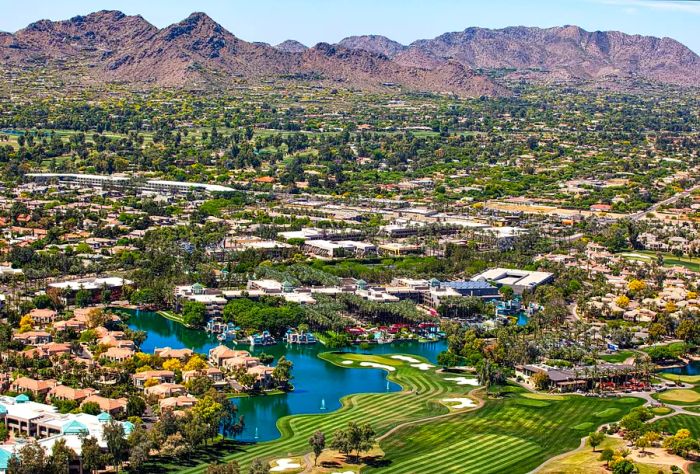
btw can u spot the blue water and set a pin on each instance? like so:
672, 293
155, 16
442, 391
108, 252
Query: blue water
692, 368
522, 318
316, 382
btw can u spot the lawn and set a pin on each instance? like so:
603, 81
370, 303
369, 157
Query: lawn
676, 422
617, 357
680, 378
510, 434
670, 260
678, 396
585, 461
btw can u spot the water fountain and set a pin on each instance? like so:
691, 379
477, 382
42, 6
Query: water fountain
256, 433
323, 404
387, 386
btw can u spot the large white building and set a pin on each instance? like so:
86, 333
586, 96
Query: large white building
124, 182
519, 280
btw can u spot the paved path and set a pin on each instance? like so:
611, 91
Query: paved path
659, 204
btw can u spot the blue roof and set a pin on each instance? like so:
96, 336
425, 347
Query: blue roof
468, 285
3, 410
75, 427
128, 427
104, 416
21, 398
4, 459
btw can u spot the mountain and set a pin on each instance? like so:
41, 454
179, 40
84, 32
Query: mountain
291, 46
109, 46
198, 52
567, 52
374, 44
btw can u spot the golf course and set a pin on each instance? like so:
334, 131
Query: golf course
439, 422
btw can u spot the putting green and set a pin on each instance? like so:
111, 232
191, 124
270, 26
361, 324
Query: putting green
679, 395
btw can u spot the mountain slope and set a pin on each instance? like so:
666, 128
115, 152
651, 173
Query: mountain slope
198, 52
374, 44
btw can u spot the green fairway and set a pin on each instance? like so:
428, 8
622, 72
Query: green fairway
512, 434
503, 436
679, 396
617, 357
677, 422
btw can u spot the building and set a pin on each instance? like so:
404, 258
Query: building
211, 299
480, 288
99, 288
116, 182
519, 280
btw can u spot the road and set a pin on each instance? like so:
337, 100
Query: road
672, 199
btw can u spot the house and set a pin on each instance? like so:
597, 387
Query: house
33, 338
162, 376
168, 353
113, 406
175, 403
64, 392
35, 387
43, 317
221, 353
165, 390
118, 354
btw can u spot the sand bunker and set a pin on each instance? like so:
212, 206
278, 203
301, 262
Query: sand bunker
285, 464
406, 359
346, 362
459, 402
377, 366
422, 366
464, 381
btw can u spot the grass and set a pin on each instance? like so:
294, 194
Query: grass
502, 436
586, 461
670, 260
171, 316
661, 410
680, 378
507, 434
676, 422
617, 357
678, 396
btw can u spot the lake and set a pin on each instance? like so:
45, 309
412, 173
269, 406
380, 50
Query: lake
691, 368
318, 385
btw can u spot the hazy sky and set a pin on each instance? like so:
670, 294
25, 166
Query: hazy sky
312, 21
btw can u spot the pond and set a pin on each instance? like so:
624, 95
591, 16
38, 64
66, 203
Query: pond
691, 368
318, 385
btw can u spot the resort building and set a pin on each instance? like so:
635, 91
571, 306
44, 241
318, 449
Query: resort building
519, 280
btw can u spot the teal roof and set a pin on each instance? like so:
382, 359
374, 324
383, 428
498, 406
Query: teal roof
75, 427
21, 398
128, 427
104, 417
3, 410
4, 459
197, 286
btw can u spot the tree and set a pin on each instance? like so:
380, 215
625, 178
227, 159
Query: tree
31, 459
83, 298
91, 455
607, 455
595, 439
172, 364
135, 406
117, 445
448, 359
139, 448
196, 362
318, 444
622, 466
540, 380
194, 313
642, 443
258, 466
91, 408
283, 371
228, 468
61, 457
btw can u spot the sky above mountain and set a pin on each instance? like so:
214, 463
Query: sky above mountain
313, 21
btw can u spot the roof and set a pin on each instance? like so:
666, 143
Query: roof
468, 285
75, 427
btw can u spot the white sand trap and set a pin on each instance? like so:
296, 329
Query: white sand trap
406, 359
346, 362
422, 366
464, 381
637, 255
346, 472
285, 464
377, 366
460, 402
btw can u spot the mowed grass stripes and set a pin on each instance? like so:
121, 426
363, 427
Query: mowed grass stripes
506, 435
